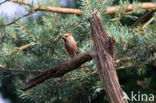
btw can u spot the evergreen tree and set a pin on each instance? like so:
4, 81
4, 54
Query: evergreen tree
28, 48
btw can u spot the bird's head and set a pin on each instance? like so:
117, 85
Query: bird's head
67, 37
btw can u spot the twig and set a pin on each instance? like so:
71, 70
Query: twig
12, 22
117, 18
142, 18
145, 25
125, 59
19, 49
24, 46
4, 68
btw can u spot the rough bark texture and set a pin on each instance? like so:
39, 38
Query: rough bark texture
60, 69
104, 60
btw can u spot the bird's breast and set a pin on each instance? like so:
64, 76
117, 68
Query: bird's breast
71, 47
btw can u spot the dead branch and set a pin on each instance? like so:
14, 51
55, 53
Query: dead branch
65, 67
104, 60
24, 46
132, 7
142, 18
109, 10
51, 9
21, 2
60, 69
61, 10
147, 23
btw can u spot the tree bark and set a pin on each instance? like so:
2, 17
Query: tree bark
61, 69
104, 60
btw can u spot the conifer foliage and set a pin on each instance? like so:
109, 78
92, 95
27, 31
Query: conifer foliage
28, 47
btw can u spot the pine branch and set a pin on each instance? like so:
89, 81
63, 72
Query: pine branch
14, 21
4, 68
51, 9
109, 10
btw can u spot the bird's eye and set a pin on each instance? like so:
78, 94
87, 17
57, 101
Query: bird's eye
66, 35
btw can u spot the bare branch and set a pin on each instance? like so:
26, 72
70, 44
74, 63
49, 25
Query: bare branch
51, 9
67, 66
60, 69
142, 18
24, 46
21, 2
109, 10
14, 21
132, 7
148, 22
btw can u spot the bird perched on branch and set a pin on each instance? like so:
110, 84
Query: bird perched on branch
70, 44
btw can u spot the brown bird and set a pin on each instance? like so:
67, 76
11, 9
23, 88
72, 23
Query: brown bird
70, 44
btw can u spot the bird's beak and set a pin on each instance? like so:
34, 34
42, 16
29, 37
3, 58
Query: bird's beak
62, 37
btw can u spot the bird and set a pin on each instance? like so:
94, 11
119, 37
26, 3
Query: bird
70, 44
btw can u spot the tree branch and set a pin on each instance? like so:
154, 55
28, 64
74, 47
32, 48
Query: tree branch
60, 69
51, 9
24, 46
148, 22
132, 7
142, 18
14, 21
65, 67
21, 2
110, 10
